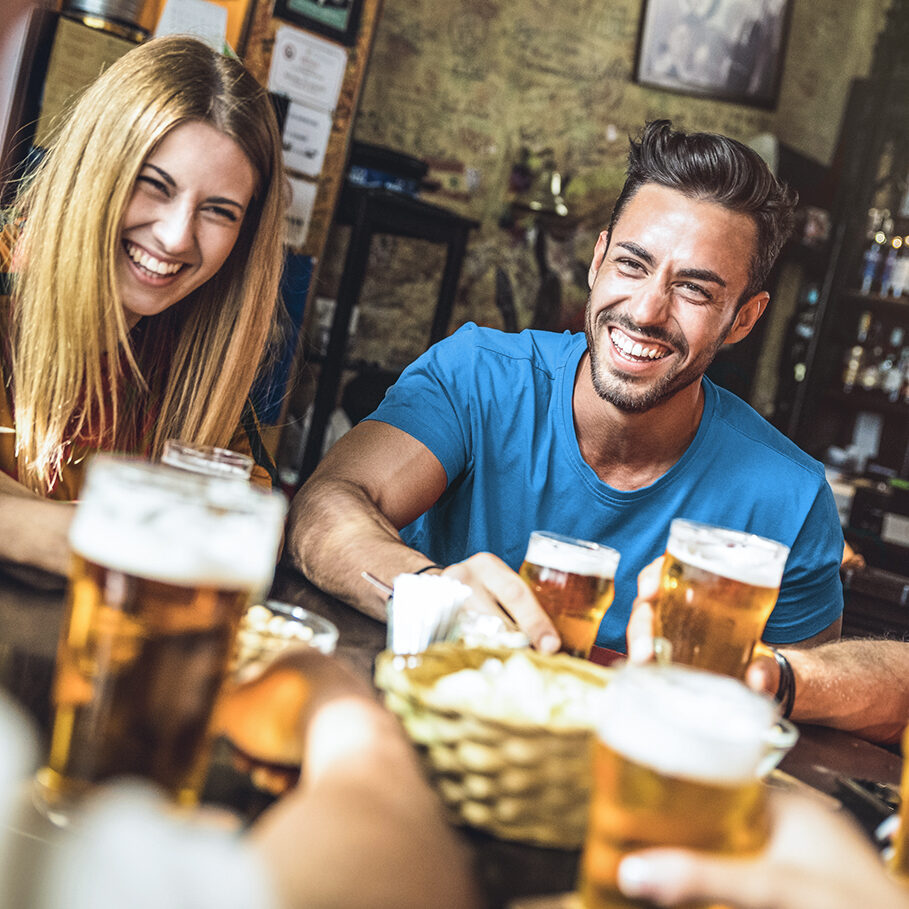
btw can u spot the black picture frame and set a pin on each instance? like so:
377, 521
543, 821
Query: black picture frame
335, 19
723, 50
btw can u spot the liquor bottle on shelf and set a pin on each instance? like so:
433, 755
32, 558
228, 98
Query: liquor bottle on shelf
880, 226
899, 282
891, 263
897, 377
856, 355
889, 369
869, 374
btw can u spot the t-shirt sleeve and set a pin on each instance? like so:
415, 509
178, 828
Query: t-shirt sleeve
432, 400
811, 595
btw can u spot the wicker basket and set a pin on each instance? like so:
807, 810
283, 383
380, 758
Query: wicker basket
518, 780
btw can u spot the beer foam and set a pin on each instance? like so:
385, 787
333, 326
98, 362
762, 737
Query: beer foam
576, 556
178, 528
687, 723
732, 554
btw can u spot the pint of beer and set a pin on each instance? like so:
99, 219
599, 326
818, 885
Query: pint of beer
678, 761
207, 459
718, 588
164, 564
574, 582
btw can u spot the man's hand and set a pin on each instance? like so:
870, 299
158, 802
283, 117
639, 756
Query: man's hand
497, 589
639, 633
814, 858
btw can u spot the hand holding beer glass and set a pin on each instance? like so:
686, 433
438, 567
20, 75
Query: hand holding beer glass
164, 564
574, 581
679, 760
717, 590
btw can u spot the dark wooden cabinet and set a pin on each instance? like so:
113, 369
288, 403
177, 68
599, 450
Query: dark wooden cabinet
874, 167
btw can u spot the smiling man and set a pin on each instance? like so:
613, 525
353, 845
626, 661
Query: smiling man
606, 436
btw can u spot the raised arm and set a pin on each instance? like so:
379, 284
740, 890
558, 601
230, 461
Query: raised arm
345, 520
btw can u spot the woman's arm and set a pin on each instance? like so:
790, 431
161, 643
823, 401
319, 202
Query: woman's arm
33, 531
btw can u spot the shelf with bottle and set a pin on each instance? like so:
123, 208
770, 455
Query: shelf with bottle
876, 365
884, 269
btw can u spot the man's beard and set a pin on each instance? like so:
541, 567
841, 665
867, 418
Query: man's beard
633, 394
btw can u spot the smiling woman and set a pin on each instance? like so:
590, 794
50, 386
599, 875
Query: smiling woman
146, 256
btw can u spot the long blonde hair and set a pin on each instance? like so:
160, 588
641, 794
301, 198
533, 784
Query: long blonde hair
196, 361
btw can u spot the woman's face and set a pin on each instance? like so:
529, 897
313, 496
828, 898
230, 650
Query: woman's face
183, 219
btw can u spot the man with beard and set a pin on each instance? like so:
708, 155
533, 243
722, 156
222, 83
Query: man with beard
605, 436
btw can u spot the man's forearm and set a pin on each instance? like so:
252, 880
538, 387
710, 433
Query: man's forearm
336, 533
861, 686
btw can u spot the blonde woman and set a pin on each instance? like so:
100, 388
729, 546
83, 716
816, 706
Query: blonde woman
144, 270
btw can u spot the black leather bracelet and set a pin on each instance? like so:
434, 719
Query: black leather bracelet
785, 691
427, 567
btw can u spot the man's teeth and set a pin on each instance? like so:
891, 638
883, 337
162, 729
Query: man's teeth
150, 263
635, 348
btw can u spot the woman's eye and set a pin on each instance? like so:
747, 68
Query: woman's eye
153, 183
227, 214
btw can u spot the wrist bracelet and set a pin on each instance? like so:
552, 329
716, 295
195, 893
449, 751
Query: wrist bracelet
427, 567
785, 691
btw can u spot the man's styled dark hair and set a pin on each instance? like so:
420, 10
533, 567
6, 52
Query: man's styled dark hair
717, 169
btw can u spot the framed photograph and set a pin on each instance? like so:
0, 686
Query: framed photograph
721, 49
336, 19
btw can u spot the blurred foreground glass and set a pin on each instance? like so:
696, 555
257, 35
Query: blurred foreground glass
717, 590
679, 760
164, 564
899, 860
574, 582
208, 460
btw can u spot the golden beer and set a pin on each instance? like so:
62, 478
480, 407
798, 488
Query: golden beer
574, 582
898, 862
678, 762
717, 590
164, 565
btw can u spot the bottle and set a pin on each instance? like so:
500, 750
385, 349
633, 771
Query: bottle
897, 377
878, 223
869, 373
890, 265
900, 279
855, 356
889, 367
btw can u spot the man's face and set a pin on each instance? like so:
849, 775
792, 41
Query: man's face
663, 295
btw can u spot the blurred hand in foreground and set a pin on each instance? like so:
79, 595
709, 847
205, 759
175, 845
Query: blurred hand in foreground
815, 858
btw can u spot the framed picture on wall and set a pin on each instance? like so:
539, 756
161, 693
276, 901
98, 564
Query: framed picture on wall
336, 19
721, 49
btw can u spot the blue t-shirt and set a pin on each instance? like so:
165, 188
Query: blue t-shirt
496, 410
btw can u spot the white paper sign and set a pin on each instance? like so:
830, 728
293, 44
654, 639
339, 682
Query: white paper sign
306, 132
307, 69
205, 20
300, 210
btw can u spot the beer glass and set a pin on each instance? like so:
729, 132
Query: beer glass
206, 459
678, 761
164, 564
898, 861
574, 582
717, 590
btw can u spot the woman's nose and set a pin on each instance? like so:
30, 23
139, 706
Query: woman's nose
174, 228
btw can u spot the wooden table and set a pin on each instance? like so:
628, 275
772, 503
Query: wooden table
29, 625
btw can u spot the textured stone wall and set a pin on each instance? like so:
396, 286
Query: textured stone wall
471, 83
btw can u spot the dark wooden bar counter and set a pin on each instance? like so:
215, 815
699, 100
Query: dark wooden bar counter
823, 758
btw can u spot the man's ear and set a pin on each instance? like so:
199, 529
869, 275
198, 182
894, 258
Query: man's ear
599, 253
746, 318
